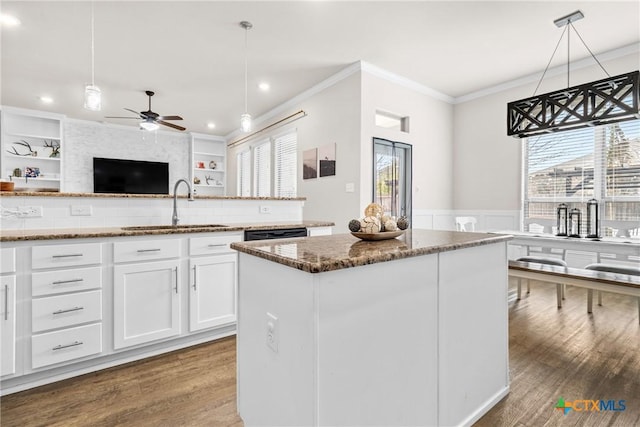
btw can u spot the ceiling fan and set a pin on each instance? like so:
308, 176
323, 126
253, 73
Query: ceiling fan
150, 119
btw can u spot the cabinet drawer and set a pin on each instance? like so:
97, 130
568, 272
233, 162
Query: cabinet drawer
7, 260
66, 255
60, 281
212, 244
68, 344
144, 250
65, 310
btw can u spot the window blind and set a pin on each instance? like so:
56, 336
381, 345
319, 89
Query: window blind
262, 169
574, 166
244, 173
285, 160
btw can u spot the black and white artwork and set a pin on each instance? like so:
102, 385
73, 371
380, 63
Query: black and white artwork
310, 163
327, 156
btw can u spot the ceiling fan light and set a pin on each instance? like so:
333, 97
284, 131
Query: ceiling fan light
245, 122
92, 98
149, 126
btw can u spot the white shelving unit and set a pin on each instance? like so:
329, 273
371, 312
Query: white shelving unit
30, 133
208, 164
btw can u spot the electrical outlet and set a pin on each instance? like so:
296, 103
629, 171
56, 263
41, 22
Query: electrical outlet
265, 209
273, 332
349, 187
30, 211
81, 210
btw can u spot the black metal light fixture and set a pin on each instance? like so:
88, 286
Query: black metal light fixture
610, 100
593, 222
575, 222
562, 218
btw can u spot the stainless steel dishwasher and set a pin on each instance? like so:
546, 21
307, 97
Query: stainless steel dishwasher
275, 233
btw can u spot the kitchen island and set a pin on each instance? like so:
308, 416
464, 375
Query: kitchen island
337, 331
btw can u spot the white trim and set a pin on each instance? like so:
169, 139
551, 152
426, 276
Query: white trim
531, 78
403, 81
32, 113
136, 128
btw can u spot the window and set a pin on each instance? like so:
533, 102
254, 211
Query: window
391, 121
574, 166
269, 167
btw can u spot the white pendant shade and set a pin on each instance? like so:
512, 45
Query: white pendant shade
92, 98
245, 122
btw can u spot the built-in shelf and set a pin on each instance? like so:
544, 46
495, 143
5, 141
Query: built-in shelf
27, 135
207, 185
28, 179
201, 153
204, 150
29, 158
208, 170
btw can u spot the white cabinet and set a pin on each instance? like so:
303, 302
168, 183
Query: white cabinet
208, 165
213, 284
146, 302
66, 304
8, 322
319, 231
213, 281
31, 148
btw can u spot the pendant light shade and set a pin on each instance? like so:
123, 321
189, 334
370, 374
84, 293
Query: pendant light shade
245, 119
92, 94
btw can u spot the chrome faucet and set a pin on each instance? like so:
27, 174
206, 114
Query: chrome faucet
174, 218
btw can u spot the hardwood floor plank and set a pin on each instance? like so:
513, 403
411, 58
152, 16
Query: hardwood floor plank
553, 353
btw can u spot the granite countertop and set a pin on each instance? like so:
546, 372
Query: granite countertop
338, 251
134, 196
147, 230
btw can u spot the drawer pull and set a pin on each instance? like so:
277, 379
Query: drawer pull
6, 302
195, 277
149, 250
68, 310
66, 255
217, 246
60, 347
63, 282
176, 277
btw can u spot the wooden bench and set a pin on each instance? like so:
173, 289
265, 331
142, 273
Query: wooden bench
625, 284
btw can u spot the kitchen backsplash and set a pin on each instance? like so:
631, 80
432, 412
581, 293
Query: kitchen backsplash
71, 212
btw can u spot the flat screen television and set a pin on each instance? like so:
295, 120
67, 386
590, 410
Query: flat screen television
130, 176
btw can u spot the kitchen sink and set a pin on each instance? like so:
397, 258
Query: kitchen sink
171, 227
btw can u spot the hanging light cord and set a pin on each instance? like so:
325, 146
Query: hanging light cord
568, 55
92, 48
246, 36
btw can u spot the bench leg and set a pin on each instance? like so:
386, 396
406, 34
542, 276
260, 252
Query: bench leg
638, 309
559, 292
519, 289
589, 300
564, 288
528, 287
599, 297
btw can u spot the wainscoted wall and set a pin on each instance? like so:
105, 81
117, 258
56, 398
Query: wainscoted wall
117, 212
84, 140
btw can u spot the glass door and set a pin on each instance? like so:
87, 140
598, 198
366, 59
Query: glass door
392, 177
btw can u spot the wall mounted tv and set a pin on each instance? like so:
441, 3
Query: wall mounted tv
130, 176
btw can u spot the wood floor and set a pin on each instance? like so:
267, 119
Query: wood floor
553, 353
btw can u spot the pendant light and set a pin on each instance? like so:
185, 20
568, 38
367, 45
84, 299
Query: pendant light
245, 119
92, 94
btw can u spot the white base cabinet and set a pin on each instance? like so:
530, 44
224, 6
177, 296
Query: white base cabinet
8, 322
212, 297
146, 302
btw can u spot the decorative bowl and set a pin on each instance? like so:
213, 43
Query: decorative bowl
383, 235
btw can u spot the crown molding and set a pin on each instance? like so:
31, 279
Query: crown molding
559, 70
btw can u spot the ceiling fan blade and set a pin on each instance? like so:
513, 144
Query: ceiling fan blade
134, 112
116, 117
171, 125
168, 118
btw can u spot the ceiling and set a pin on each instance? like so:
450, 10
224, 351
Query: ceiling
192, 53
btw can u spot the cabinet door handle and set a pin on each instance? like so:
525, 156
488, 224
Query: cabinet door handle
68, 310
65, 255
6, 302
60, 346
175, 270
218, 245
149, 250
195, 276
63, 282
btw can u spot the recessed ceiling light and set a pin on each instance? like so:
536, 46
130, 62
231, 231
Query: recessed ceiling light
46, 99
9, 20
264, 87
211, 125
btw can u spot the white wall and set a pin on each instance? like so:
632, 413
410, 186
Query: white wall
84, 140
430, 134
487, 163
333, 116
